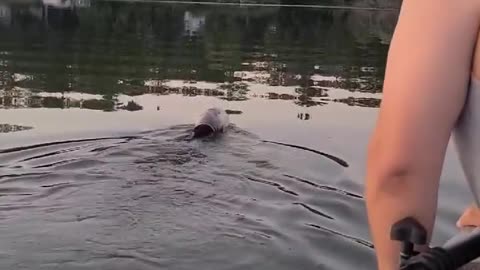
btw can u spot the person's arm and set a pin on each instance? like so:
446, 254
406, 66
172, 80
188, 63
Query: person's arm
427, 76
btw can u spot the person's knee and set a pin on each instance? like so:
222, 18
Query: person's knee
470, 217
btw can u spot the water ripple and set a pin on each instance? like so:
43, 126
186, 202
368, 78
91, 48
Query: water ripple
314, 210
277, 185
144, 200
355, 239
324, 187
8, 177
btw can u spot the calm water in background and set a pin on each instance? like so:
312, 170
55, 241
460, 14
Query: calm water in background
132, 77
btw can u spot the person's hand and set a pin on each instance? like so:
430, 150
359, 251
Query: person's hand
470, 217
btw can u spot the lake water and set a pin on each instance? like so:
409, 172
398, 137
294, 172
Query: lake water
97, 97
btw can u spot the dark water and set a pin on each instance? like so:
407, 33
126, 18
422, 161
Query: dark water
97, 97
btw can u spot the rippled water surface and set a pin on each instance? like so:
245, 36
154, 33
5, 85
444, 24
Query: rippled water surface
97, 102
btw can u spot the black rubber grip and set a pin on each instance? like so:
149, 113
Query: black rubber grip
434, 259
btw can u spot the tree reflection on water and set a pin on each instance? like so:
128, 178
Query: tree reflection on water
107, 49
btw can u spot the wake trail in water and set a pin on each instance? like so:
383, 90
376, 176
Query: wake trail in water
22, 148
158, 194
334, 158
